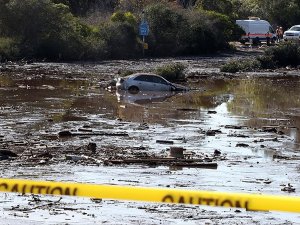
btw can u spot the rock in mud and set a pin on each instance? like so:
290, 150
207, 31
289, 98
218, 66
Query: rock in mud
211, 112
212, 132
3, 157
8, 153
177, 152
288, 188
64, 134
269, 129
92, 147
217, 152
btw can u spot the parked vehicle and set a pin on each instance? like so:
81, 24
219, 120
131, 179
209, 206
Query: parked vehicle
292, 34
147, 82
256, 30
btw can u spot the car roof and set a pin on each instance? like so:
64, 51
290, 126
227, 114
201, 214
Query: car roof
147, 74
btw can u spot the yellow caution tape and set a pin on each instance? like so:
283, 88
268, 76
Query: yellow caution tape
164, 195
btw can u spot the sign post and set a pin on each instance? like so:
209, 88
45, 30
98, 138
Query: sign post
144, 31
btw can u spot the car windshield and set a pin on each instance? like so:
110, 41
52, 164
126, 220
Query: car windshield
295, 28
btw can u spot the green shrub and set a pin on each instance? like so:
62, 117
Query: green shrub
178, 32
167, 30
44, 29
120, 39
8, 49
285, 54
238, 66
172, 72
266, 62
124, 17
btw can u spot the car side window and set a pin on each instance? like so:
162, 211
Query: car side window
271, 30
149, 78
142, 78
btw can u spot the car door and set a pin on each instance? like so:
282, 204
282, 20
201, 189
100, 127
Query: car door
142, 82
160, 84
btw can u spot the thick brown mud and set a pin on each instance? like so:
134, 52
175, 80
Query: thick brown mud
232, 132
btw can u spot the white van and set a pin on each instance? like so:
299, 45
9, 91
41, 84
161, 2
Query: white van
256, 30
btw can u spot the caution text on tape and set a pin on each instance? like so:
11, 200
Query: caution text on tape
163, 195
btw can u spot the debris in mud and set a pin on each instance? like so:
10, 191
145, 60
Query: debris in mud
269, 129
258, 181
164, 142
76, 158
64, 134
242, 145
45, 155
213, 132
7, 154
92, 147
273, 129
166, 162
177, 157
238, 135
96, 200
177, 152
143, 126
70, 134
39, 204
85, 130
285, 157
211, 112
4, 152
288, 188
233, 127
217, 152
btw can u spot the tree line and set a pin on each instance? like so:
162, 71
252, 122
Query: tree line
108, 29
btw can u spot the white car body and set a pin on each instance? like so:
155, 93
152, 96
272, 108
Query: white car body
292, 34
144, 97
147, 82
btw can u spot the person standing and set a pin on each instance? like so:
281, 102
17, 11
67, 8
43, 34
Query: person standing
280, 33
277, 34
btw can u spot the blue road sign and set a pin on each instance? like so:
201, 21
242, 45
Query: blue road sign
144, 28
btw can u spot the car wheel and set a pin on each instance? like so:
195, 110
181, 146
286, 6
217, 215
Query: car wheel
133, 89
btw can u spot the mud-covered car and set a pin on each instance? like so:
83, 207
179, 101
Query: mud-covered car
147, 82
292, 34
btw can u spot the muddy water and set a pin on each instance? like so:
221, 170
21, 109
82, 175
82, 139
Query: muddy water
253, 121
